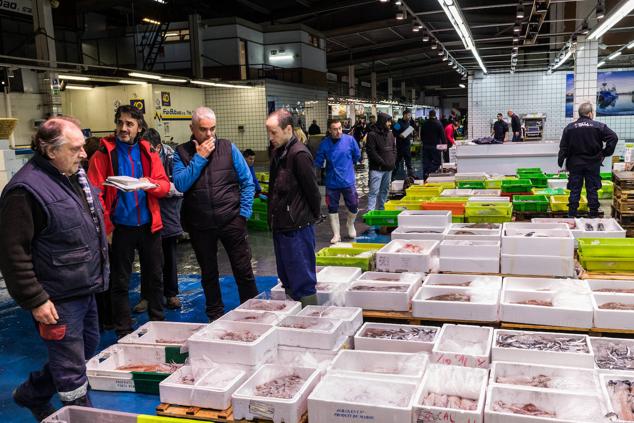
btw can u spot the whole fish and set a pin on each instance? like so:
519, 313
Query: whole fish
451, 297
531, 341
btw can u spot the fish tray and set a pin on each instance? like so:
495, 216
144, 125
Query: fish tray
485, 309
558, 184
488, 209
283, 307
465, 248
323, 335
162, 333
363, 342
488, 219
470, 176
391, 366
606, 247
424, 218
559, 203
469, 265
516, 186
538, 180
457, 345
611, 226
351, 317
457, 193
613, 319
471, 184
248, 405
442, 185
548, 239
206, 346
381, 300
419, 233
604, 379
550, 266
211, 387
338, 274
550, 191
562, 175
451, 380
577, 317
534, 203
381, 217
388, 259
627, 345
77, 414
555, 358
449, 199
463, 232
402, 205
350, 257
326, 292
309, 357
103, 374
252, 316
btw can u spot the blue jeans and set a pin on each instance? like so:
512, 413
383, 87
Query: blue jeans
516, 137
295, 259
70, 343
378, 189
592, 177
350, 198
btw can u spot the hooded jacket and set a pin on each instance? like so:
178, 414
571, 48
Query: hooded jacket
381, 145
433, 134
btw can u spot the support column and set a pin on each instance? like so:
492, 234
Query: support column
413, 95
403, 94
196, 46
390, 88
373, 86
351, 85
585, 88
45, 51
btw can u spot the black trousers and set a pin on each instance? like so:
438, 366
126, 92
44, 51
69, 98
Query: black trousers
592, 177
431, 161
234, 238
170, 267
403, 154
125, 240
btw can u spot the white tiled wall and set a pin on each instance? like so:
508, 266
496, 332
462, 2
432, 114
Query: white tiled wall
585, 74
315, 101
525, 92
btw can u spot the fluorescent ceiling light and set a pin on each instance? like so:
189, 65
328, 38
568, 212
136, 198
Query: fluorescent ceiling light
563, 59
143, 75
77, 87
219, 84
74, 78
630, 45
209, 84
131, 82
178, 80
614, 55
172, 34
601, 63
281, 56
616, 15
151, 21
462, 85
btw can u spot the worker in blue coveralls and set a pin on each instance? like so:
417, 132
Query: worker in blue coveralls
340, 152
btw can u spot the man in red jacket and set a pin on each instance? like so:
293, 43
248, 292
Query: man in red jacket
132, 219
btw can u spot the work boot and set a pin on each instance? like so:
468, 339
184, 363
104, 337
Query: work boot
593, 214
309, 300
352, 232
173, 303
141, 307
334, 225
39, 412
81, 401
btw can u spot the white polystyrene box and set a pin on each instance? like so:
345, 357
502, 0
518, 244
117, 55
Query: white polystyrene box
576, 314
469, 383
482, 307
542, 284
463, 345
600, 286
484, 199
471, 176
352, 317
413, 232
310, 357
338, 274
531, 265
610, 318
602, 366
406, 367
487, 193
547, 239
338, 399
604, 380
397, 185
391, 259
461, 231
162, 333
558, 183
469, 264
364, 342
248, 405
381, 299
555, 358
455, 280
457, 193
409, 277
565, 379
612, 229
327, 292
205, 344
453, 248
211, 387
568, 407
309, 332
424, 218
284, 307
252, 316
570, 222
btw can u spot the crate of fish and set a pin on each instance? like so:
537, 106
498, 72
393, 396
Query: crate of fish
327, 292
456, 193
407, 367
442, 185
485, 193
616, 393
550, 191
415, 278
275, 392
427, 191
487, 199
520, 170
230, 342
463, 345
351, 317
381, 217
309, 332
471, 185
451, 394
132, 368
544, 284
607, 264
451, 199
488, 219
558, 349
77, 414
424, 218
387, 296
352, 257
162, 333
474, 232
521, 238
516, 185
476, 256
471, 176
455, 208
569, 304
488, 209
209, 387
403, 205
549, 265
607, 247
520, 405
407, 256
530, 203
558, 183
538, 180
478, 301
607, 286
280, 307
342, 399
560, 175
559, 203
613, 311
613, 355
395, 337
598, 228
544, 377
436, 233
252, 316
310, 357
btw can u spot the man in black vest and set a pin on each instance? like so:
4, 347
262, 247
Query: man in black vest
54, 260
294, 207
218, 189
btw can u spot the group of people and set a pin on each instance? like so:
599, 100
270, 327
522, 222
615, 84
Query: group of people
501, 128
69, 236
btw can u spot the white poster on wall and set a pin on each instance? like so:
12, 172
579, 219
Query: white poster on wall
24, 7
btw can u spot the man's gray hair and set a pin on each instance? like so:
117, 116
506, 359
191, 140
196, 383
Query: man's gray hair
203, 113
50, 134
585, 109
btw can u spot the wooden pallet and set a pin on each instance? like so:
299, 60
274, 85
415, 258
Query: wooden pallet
609, 276
624, 218
527, 216
626, 207
206, 414
400, 316
623, 195
623, 180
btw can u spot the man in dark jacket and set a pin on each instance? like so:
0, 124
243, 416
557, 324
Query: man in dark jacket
219, 190
54, 260
516, 126
404, 143
314, 129
500, 128
432, 134
294, 208
582, 149
381, 149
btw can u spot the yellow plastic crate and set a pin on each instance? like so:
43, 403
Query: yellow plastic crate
402, 205
488, 209
443, 185
420, 190
560, 203
413, 197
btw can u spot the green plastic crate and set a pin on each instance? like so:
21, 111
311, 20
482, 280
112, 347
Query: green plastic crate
351, 257
607, 186
562, 175
262, 176
403, 205
258, 225
606, 176
381, 217
449, 200
537, 180
528, 170
607, 264
559, 203
457, 219
517, 185
471, 184
534, 203
606, 247
488, 219
550, 191
260, 205
604, 194
488, 209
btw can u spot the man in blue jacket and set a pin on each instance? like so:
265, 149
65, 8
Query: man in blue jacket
218, 200
341, 153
